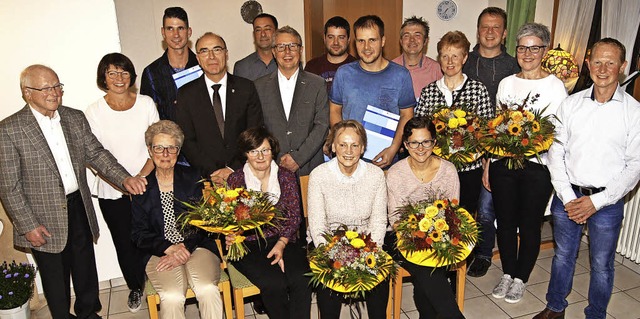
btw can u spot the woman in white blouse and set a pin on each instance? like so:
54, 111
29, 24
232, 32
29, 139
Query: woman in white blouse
119, 121
520, 196
346, 190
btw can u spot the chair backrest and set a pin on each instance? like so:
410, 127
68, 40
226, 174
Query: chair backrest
304, 188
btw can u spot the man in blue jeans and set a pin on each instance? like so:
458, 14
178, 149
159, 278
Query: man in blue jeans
591, 171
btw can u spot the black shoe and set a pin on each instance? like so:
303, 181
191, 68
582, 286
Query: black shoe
258, 306
479, 267
134, 302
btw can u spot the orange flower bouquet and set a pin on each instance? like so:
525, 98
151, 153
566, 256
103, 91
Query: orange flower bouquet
232, 211
458, 131
349, 263
435, 233
518, 133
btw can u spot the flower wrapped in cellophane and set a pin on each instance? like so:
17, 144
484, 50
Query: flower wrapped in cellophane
350, 263
517, 133
458, 132
228, 211
435, 232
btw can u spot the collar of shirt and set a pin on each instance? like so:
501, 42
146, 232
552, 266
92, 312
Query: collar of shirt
43, 119
222, 91
618, 95
448, 94
287, 88
341, 178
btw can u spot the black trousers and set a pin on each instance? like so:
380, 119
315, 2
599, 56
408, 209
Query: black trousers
76, 259
330, 302
285, 295
470, 183
519, 197
117, 215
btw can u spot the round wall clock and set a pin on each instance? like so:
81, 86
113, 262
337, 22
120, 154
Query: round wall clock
447, 10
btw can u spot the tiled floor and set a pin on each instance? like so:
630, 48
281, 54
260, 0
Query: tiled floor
625, 302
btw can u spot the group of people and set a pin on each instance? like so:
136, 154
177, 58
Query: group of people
272, 121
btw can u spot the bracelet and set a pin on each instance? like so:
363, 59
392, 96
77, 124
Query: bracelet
280, 240
140, 175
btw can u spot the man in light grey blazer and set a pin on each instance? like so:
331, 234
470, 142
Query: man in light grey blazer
44, 151
295, 105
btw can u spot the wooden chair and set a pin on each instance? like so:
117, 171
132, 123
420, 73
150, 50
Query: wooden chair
461, 276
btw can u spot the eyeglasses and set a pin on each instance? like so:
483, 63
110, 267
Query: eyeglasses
217, 50
114, 74
264, 152
532, 49
171, 149
426, 144
49, 89
293, 47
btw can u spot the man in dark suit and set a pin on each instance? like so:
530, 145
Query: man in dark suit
296, 105
44, 151
214, 109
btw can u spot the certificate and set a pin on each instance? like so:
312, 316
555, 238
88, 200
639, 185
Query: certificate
185, 76
380, 126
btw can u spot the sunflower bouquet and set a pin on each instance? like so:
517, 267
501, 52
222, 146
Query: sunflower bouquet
228, 211
518, 133
458, 131
435, 233
350, 263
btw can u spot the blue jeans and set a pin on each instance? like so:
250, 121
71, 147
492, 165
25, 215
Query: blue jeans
486, 219
604, 229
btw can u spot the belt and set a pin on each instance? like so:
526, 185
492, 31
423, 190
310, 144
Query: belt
587, 190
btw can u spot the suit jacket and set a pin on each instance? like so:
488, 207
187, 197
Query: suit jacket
203, 144
303, 134
31, 188
147, 221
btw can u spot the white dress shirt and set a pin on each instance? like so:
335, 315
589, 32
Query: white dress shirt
52, 131
287, 87
598, 146
222, 91
448, 94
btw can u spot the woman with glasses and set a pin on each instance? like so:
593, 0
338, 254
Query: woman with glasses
423, 175
176, 258
521, 196
119, 120
278, 265
455, 89
348, 191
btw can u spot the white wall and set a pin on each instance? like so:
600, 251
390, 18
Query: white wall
70, 36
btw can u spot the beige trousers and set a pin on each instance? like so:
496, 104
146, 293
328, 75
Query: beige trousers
201, 273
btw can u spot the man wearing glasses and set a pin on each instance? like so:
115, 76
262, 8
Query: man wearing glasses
214, 109
44, 151
297, 105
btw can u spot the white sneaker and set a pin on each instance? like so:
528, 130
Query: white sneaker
516, 291
503, 286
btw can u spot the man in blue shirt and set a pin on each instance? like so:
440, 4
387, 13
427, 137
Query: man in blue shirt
372, 80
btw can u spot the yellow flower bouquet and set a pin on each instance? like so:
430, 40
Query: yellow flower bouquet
458, 131
518, 133
350, 263
232, 211
435, 233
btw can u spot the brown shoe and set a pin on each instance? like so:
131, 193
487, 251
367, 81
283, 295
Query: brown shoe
549, 314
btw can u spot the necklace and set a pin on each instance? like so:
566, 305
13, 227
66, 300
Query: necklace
421, 175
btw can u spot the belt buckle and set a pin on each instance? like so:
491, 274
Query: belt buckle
585, 191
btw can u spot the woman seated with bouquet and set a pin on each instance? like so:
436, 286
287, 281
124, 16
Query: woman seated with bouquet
422, 176
278, 265
348, 191
175, 259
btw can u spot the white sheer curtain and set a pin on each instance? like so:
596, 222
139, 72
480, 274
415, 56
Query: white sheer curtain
620, 20
571, 27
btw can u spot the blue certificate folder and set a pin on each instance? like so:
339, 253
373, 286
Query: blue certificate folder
185, 76
381, 128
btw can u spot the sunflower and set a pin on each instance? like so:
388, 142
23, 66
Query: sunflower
439, 204
371, 260
412, 218
440, 126
436, 236
535, 126
515, 129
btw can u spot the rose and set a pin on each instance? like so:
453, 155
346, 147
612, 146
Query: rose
357, 243
351, 234
425, 224
459, 113
431, 211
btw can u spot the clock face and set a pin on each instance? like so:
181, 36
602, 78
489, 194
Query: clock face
447, 10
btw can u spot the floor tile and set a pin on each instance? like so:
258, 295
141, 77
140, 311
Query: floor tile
529, 304
576, 311
471, 291
142, 314
623, 306
118, 301
487, 282
634, 293
483, 308
625, 278
540, 291
407, 303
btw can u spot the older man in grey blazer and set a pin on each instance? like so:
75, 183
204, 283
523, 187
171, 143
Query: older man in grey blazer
44, 151
295, 105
